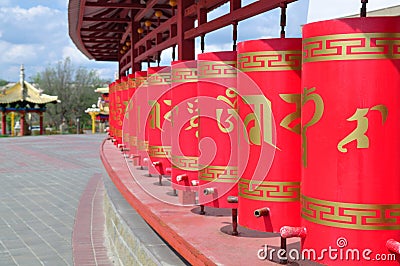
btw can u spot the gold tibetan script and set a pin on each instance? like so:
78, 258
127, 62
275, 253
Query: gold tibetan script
310, 95
168, 115
358, 134
231, 100
261, 118
155, 116
290, 118
194, 119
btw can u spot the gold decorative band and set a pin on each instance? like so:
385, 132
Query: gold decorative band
213, 69
269, 61
182, 75
132, 83
140, 81
159, 79
269, 191
352, 46
142, 145
189, 163
133, 140
351, 215
126, 138
220, 174
160, 151
119, 133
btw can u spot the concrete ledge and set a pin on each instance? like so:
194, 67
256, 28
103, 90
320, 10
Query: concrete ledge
119, 174
130, 238
200, 239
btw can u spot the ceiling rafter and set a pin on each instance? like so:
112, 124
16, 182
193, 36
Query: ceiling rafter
103, 19
102, 27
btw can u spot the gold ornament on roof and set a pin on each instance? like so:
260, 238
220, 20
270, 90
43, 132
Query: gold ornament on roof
158, 14
172, 3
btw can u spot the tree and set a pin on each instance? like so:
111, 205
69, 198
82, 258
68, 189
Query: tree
74, 88
3, 82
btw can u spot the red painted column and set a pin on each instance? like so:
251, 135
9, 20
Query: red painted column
350, 137
41, 123
186, 49
3, 123
22, 124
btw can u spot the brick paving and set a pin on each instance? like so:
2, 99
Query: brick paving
42, 181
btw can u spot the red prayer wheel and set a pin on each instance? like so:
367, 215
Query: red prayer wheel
111, 91
129, 120
350, 147
118, 112
159, 101
184, 130
269, 187
133, 122
218, 131
140, 110
125, 100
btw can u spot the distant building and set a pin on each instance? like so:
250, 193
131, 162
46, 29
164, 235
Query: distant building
23, 98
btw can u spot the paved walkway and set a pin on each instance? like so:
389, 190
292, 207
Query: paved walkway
42, 181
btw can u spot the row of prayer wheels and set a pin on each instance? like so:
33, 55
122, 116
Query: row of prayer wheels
298, 135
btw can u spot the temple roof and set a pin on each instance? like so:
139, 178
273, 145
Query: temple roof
28, 94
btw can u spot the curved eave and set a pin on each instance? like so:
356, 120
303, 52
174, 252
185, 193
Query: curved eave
14, 94
75, 15
97, 27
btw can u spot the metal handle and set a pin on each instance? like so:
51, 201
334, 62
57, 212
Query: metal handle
261, 212
209, 191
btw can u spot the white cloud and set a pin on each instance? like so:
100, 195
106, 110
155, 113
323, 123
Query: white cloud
107, 72
328, 9
35, 25
4, 3
77, 57
12, 53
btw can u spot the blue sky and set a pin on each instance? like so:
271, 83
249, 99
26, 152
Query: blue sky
328, 9
35, 33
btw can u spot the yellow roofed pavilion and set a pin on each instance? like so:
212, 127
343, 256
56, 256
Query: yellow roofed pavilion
22, 97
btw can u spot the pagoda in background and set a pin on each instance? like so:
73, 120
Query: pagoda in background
23, 98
